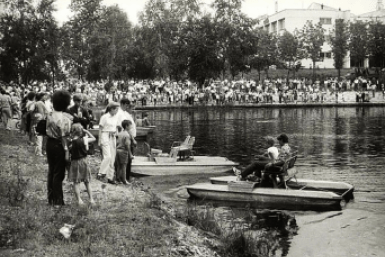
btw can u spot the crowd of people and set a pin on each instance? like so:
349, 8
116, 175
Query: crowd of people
66, 141
213, 92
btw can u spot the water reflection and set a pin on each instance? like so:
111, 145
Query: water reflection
237, 133
245, 231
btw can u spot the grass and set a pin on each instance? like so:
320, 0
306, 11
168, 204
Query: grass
244, 232
125, 222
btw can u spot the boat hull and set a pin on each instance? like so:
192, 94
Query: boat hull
268, 198
340, 188
199, 165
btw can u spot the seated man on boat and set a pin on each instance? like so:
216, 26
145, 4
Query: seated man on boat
273, 169
256, 167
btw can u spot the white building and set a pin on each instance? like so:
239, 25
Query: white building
295, 19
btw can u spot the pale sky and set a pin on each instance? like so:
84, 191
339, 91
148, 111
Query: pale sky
253, 8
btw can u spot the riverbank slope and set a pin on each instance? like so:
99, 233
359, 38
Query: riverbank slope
126, 220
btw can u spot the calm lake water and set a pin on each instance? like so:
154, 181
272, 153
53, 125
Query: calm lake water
339, 144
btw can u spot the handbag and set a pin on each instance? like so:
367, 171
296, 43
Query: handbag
41, 127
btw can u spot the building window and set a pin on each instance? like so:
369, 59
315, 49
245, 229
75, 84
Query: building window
325, 55
325, 21
274, 27
281, 24
328, 55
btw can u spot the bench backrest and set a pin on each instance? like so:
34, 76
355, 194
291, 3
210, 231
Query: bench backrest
191, 143
289, 163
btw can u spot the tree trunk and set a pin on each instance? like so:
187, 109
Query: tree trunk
288, 73
313, 70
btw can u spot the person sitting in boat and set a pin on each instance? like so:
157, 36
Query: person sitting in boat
138, 122
273, 168
256, 167
146, 122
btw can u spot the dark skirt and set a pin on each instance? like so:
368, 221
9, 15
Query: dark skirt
79, 171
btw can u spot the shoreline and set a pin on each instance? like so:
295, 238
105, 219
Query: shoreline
261, 105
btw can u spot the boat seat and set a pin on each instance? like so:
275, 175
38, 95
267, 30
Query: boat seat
286, 172
185, 149
180, 143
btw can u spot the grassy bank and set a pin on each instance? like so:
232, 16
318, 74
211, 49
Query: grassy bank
127, 221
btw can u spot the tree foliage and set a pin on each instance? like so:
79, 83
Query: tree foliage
376, 43
358, 42
175, 39
265, 51
339, 43
28, 33
313, 38
290, 51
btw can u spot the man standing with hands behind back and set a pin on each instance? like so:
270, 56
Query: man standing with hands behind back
125, 112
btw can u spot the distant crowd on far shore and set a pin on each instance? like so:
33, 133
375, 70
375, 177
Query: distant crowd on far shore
156, 93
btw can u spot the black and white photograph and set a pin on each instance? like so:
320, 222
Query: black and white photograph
192, 128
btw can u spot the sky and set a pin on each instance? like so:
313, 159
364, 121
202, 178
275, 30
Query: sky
253, 8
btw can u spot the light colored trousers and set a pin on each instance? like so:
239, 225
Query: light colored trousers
39, 145
108, 145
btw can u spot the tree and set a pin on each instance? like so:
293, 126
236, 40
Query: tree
376, 43
265, 51
290, 51
339, 44
312, 37
112, 38
24, 40
241, 46
358, 42
227, 18
154, 17
204, 60
79, 33
142, 54
51, 36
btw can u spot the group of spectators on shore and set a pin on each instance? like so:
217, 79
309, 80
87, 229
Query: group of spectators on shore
15, 99
213, 92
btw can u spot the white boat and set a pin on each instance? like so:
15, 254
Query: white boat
301, 194
268, 198
143, 165
340, 188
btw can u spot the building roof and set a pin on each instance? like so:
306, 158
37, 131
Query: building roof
317, 6
378, 13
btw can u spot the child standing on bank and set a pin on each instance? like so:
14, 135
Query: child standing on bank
124, 155
79, 170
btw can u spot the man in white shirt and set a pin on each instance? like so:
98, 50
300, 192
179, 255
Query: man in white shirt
124, 113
